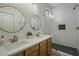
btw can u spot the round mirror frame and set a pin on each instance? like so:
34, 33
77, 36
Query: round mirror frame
31, 24
23, 23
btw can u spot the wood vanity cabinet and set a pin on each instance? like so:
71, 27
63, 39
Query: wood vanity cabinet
41, 49
45, 48
32, 51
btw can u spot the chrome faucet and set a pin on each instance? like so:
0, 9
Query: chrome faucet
14, 39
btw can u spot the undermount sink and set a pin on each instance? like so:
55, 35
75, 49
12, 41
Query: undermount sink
15, 45
33, 38
19, 43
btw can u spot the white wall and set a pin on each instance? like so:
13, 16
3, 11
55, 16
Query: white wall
47, 21
64, 14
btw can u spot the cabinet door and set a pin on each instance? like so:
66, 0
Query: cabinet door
32, 51
43, 48
49, 46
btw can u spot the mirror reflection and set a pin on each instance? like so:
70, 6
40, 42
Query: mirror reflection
11, 19
36, 22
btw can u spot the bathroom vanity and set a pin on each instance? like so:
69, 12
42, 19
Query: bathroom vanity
42, 48
37, 46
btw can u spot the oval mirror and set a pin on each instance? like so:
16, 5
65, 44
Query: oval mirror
11, 19
35, 23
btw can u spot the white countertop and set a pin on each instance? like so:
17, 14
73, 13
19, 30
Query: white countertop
31, 42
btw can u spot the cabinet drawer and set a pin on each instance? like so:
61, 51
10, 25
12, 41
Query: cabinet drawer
31, 49
43, 43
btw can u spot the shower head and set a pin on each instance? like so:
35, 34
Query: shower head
75, 7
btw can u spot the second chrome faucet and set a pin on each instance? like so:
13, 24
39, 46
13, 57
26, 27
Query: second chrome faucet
14, 39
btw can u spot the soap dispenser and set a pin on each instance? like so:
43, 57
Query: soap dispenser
2, 37
2, 40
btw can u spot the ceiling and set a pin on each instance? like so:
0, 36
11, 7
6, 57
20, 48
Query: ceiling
55, 4
58, 4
